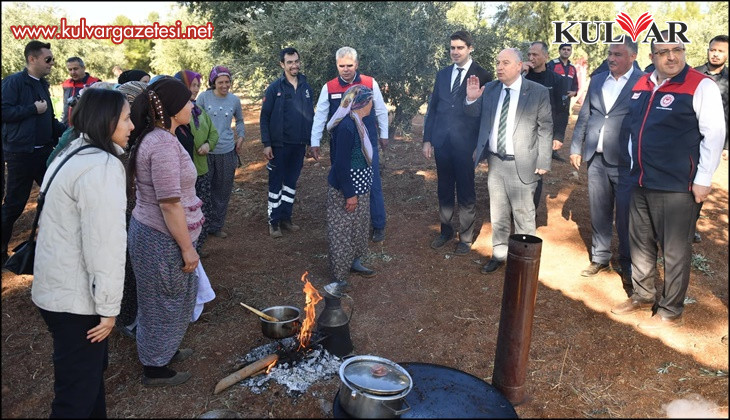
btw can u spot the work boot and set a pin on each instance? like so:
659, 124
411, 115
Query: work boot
288, 225
274, 231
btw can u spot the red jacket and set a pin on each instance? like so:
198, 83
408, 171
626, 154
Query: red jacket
71, 88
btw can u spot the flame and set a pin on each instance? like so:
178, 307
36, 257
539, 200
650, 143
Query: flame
312, 298
271, 366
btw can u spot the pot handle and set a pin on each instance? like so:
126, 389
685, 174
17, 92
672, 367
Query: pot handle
352, 306
397, 412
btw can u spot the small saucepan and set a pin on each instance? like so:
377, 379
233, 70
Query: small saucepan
290, 322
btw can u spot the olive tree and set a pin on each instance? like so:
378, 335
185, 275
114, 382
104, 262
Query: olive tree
400, 44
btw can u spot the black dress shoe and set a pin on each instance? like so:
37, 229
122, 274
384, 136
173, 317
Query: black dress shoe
181, 355
557, 157
179, 378
360, 269
491, 266
594, 269
462, 248
378, 235
440, 241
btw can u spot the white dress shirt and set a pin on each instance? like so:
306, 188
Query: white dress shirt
321, 114
455, 72
611, 89
707, 104
514, 90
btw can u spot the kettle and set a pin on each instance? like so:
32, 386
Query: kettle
334, 323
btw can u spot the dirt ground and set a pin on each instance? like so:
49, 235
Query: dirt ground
423, 306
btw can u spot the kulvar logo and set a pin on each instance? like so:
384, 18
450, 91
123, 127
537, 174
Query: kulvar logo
603, 31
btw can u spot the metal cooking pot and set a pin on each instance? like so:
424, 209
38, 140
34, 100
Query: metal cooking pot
373, 387
289, 324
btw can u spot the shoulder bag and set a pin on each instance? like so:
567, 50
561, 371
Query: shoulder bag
21, 262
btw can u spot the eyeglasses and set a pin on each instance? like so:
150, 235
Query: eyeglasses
675, 51
49, 59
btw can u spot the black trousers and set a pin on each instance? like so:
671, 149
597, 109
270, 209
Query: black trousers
455, 172
78, 366
23, 169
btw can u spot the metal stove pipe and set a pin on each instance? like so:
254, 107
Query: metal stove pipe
515, 321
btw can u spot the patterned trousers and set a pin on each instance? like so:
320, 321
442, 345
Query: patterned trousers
347, 233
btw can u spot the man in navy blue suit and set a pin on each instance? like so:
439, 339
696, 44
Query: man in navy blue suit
451, 137
598, 136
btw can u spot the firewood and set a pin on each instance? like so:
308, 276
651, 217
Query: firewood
244, 373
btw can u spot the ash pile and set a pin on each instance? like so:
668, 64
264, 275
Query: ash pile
297, 375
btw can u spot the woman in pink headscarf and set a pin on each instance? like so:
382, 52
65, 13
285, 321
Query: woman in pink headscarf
222, 106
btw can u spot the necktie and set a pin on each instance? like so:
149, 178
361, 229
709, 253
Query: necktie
502, 130
457, 81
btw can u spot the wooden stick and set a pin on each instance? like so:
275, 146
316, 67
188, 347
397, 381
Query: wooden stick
259, 313
244, 373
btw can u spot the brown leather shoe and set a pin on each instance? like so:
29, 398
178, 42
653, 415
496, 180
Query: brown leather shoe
658, 322
630, 306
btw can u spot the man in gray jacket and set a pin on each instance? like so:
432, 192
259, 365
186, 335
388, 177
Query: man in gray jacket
516, 132
598, 134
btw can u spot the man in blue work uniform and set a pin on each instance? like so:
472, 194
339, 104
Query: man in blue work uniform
286, 123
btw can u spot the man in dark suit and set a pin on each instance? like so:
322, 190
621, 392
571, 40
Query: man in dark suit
450, 136
516, 132
598, 134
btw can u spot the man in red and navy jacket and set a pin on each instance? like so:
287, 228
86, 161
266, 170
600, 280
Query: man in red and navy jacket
79, 79
328, 102
569, 74
677, 131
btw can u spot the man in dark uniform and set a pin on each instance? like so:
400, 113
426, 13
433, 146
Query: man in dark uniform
286, 125
716, 68
451, 137
535, 69
562, 67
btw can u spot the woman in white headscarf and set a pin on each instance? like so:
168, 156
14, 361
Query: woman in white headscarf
350, 178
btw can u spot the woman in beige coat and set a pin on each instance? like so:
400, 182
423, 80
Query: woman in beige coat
79, 261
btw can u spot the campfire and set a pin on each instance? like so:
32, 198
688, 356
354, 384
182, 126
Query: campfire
295, 362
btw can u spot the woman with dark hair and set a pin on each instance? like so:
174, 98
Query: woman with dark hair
204, 137
350, 178
222, 107
79, 259
133, 76
165, 225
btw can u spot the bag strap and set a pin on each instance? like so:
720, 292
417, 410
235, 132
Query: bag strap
42, 194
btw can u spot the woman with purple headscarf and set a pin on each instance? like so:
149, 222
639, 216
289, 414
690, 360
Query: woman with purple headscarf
222, 107
205, 138
350, 178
